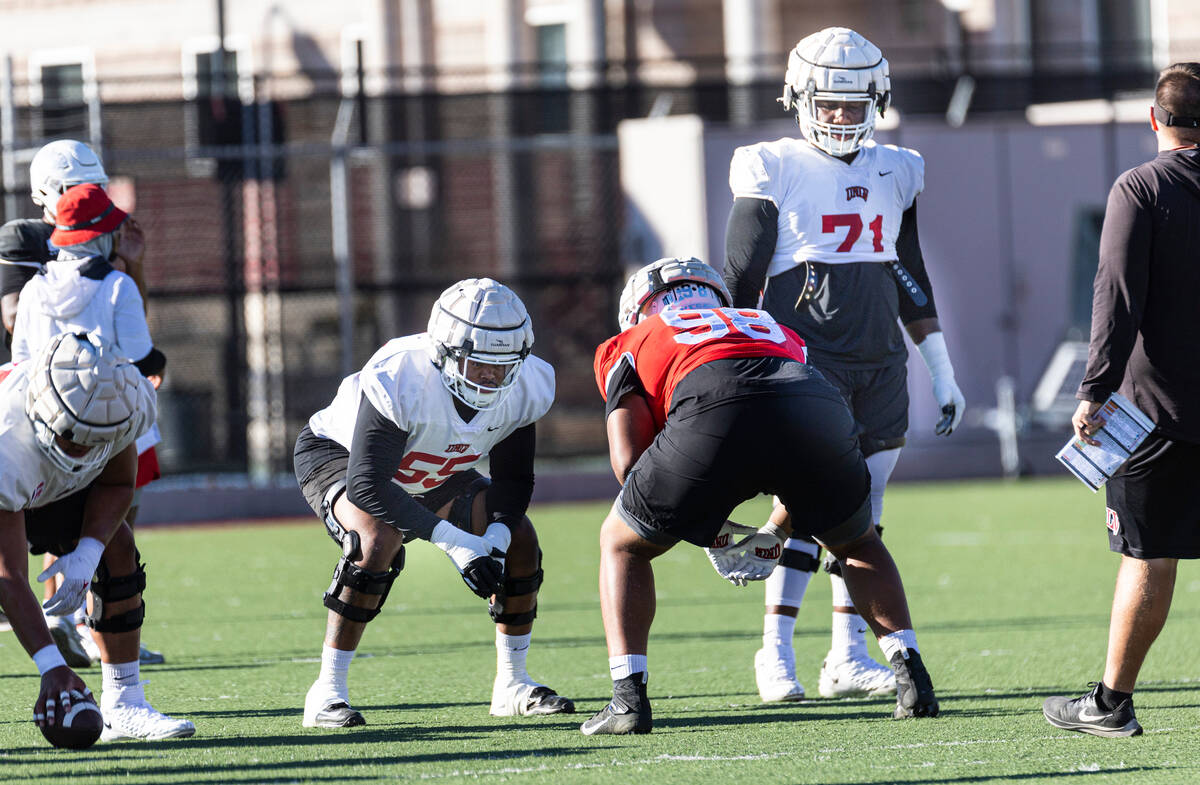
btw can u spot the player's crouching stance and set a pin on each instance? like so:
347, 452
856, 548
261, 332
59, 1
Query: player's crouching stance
390, 460
708, 406
68, 423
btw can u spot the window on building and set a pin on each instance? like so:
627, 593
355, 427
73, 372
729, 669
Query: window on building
63, 91
552, 54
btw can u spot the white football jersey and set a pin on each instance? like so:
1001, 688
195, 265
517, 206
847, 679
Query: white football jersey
402, 382
28, 478
830, 211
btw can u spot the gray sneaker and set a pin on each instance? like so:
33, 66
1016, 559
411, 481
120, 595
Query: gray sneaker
1085, 715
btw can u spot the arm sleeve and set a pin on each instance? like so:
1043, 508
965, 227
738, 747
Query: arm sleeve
1119, 291
375, 451
908, 251
622, 380
511, 463
750, 237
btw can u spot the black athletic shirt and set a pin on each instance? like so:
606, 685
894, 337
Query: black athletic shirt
1145, 320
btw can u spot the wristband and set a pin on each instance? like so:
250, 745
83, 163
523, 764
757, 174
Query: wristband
48, 658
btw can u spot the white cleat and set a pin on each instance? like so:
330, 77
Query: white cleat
67, 639
775, 673
511, 698
324, 708
127, 715
855, 677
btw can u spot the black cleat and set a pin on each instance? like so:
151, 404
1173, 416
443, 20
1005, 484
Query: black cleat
1085, 715
544, 700
914, 688
628, 712
335, 715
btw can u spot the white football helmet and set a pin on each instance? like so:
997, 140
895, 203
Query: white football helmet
671, 283
60, 165
479, 321
837, 66
82, 390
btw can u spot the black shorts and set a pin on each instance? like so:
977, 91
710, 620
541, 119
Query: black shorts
878, 399
55, 527
1153, 509
732, 439
321, 463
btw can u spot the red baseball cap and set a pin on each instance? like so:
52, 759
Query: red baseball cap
84, 213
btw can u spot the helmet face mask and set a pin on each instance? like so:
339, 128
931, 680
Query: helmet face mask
834, 69
480, 335
60, 165
671, 283
81, 395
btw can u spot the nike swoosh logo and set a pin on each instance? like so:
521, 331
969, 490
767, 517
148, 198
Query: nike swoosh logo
885, 174
490, 428
1087, 716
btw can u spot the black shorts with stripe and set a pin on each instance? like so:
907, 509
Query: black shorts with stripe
878, 399
1153, 510
738, 428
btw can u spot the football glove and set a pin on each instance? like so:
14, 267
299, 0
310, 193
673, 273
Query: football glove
945, 390
77, 569
474, 557
741, 554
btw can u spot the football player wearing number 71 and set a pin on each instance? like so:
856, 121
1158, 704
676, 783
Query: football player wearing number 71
390, 461
823, 236
706, 407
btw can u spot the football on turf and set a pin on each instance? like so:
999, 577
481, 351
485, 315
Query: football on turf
80, 728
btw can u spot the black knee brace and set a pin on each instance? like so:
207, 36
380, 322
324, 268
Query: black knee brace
350, 575
517, 587
832, 566
799, 560
106, 589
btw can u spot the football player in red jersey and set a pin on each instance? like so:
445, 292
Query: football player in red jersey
706, 407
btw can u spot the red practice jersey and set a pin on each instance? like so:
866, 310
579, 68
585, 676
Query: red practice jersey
662, 349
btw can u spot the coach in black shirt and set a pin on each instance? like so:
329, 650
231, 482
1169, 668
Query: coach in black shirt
1145, 328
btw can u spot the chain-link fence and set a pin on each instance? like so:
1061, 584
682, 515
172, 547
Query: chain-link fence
292, 230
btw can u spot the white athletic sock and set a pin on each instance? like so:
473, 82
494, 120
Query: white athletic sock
119, 674
510, 656
777, 630
625, 665
901, 640
785, 586
849, 636
335, 668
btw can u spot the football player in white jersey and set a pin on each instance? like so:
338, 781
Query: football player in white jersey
391, 460
68, 423
823, 234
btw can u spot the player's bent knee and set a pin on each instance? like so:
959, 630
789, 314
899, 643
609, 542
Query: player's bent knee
348, 575
108, 590
516, 587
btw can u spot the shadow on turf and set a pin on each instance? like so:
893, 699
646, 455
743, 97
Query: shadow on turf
360, 745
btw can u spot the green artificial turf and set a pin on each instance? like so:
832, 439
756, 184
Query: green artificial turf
1009, 583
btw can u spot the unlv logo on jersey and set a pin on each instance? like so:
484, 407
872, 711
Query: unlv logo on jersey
856, 190
457, 447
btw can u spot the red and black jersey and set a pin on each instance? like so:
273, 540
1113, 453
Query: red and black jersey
655, 354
